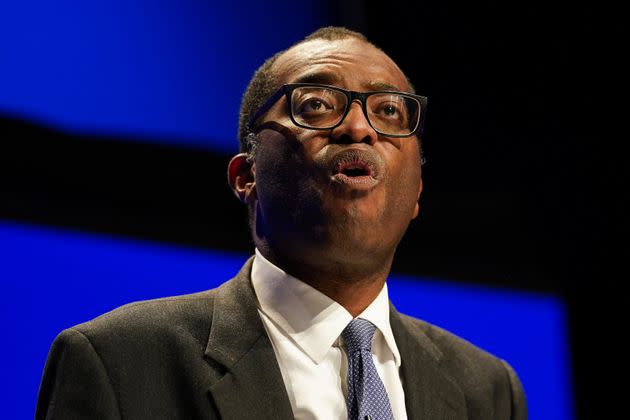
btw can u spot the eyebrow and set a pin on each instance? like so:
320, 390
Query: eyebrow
372, 85
326, 78
321, 78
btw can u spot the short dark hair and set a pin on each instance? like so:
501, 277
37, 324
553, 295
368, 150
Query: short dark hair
264, 82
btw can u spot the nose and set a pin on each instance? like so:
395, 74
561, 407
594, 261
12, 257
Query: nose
355, 128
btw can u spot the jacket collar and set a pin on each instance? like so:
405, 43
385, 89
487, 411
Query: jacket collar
252, 385
429, 392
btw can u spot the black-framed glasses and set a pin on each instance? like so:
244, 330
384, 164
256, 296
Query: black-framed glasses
324, 107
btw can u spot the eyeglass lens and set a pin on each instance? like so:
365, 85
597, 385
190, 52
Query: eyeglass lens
320, 107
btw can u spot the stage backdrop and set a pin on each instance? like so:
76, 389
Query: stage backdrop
173, 72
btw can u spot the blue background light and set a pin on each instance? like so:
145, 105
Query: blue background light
54, 279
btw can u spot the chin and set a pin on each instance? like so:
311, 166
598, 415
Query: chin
360, 245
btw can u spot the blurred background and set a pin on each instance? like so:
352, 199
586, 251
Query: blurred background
118, 118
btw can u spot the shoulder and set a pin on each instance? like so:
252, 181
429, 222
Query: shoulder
151, 325
133, 358
164, 325
485, 379
154, 313
447, 346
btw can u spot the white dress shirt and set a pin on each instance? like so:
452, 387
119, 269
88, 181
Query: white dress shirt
304, 326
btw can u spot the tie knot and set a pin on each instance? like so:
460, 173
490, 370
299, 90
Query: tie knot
358, 335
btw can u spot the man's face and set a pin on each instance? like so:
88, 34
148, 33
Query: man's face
346, 194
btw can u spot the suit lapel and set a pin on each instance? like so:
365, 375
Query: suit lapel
252, 386
429, 392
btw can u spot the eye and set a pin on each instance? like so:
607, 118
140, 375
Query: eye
317, 106
389, 109
313, 105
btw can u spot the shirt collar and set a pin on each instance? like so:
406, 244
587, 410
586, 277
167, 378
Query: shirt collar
311, 319
378, 314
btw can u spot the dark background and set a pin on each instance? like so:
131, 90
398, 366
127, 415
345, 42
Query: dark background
525, 181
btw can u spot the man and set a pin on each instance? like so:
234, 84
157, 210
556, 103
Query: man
330, 171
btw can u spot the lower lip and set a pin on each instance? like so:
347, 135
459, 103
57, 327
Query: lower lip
364, 182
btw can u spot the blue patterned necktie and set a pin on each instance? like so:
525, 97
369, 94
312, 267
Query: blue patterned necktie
367, 398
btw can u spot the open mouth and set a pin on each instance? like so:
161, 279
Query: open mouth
356, 168
353, 169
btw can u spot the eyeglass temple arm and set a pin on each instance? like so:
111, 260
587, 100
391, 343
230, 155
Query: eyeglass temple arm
265, 107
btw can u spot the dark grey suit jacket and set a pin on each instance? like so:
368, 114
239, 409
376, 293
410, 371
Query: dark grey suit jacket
207, 356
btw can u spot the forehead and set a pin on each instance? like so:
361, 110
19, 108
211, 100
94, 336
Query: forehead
350, 63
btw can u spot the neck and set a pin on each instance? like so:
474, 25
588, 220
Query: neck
355, 296
353, 287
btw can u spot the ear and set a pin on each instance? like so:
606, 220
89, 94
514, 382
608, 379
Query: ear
242, 178
416, 209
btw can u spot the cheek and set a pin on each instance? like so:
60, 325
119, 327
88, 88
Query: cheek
285, 176
276, 177
404, 184
274, 165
